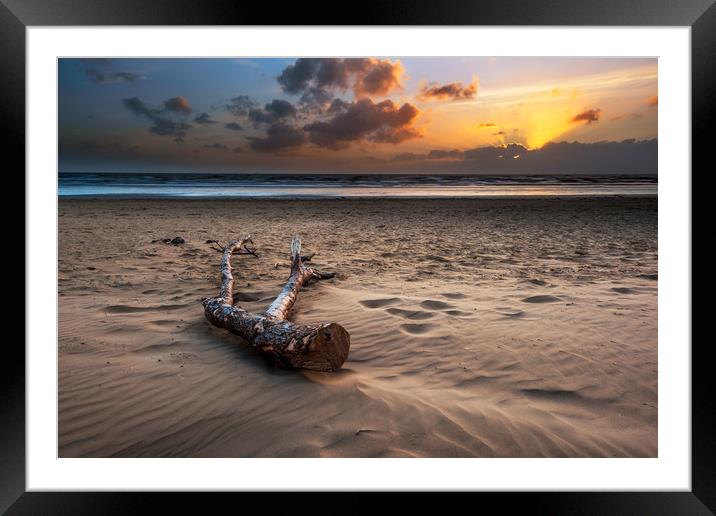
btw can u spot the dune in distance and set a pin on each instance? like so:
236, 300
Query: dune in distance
484, 327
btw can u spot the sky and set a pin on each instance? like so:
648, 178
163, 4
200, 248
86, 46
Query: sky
481, 115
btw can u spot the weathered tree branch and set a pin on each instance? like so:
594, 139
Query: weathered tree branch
322, 347
221, 248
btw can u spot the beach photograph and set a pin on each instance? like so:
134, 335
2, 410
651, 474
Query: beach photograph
358, 257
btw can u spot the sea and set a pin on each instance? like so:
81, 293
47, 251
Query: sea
316, 186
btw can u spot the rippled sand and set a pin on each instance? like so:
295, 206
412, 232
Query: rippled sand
484, 327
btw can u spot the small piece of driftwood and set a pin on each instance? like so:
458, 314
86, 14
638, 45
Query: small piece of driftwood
321, 347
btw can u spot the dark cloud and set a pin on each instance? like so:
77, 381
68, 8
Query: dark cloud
280, 108
491, 154
98, 77
625, 157
279, 137
451, 91
408, 156
296, 77
315, 100
338, 106
136, 106
100, 71
384, 122
599, 158
394, 135
177, 105
167, 127
273, 112
445, 154
435, 154
259, 117
487, 124
234, 126
240, 105
216, 146
588, 115
366, 76
163, 125
238, 150
204, 119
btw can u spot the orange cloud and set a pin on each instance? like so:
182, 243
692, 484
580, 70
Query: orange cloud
626, 116
652, 101
378, 77
450, 91
178, 105
487, 124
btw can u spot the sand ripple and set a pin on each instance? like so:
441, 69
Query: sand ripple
477, 330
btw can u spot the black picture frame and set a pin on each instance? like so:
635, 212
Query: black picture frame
16, 15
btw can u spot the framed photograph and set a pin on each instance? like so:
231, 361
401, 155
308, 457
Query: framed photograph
439, 250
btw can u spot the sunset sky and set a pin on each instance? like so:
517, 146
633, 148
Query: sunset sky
383, 114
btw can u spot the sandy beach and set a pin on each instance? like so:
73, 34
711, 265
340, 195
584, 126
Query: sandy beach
479, 328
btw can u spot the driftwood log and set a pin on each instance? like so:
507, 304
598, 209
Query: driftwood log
321, 347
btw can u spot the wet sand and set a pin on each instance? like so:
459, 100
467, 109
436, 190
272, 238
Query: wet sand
479, 328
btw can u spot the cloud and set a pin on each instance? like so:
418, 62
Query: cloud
216, 146
338, 106
394, 135
445, 154
280, 108
378, 77
279, 137
588, 115
365, 76
272, 112
295, 78
433, 155
163, 125
204, 119
98, 77
177, 105
625, 116
240, 105
487, 124
238, 150
136, 106
624, 157
234, 126
384, 122
599, 158
652, 101
100, 71
490, 154
451, 91
408, 156
315, 100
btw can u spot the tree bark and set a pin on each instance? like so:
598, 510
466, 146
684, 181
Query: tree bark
321, 347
